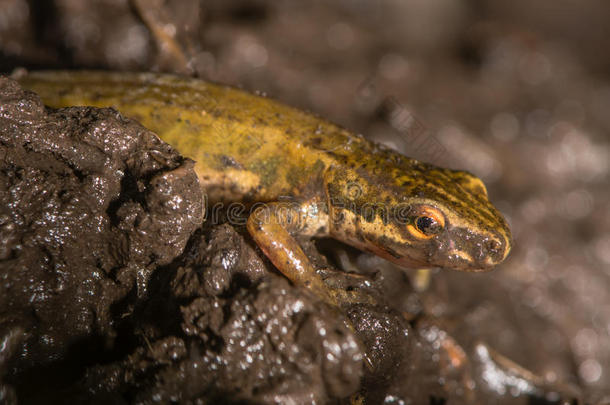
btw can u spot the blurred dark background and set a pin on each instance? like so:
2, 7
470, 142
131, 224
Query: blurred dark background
517, 92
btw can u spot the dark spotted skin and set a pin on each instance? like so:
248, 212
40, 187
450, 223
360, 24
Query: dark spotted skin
316, 178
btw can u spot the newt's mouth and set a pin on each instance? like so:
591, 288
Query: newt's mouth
385, 251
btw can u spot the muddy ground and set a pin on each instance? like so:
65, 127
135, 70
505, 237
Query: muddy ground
114, 290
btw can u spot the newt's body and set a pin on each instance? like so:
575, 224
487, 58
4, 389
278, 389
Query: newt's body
316, 178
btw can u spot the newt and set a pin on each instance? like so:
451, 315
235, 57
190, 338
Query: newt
301, 174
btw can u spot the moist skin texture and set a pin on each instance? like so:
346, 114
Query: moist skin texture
316, 178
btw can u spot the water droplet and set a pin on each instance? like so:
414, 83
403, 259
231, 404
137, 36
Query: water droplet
590, 370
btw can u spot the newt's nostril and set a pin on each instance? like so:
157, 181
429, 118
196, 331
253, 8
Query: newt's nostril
493, 245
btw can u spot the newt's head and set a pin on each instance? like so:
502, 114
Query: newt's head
418, 215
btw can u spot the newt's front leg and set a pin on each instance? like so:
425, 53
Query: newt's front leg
273, 227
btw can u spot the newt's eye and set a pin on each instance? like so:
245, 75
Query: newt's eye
429, 223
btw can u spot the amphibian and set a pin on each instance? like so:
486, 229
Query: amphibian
301, 175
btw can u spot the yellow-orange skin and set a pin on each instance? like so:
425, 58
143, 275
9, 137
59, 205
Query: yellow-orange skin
250, 149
